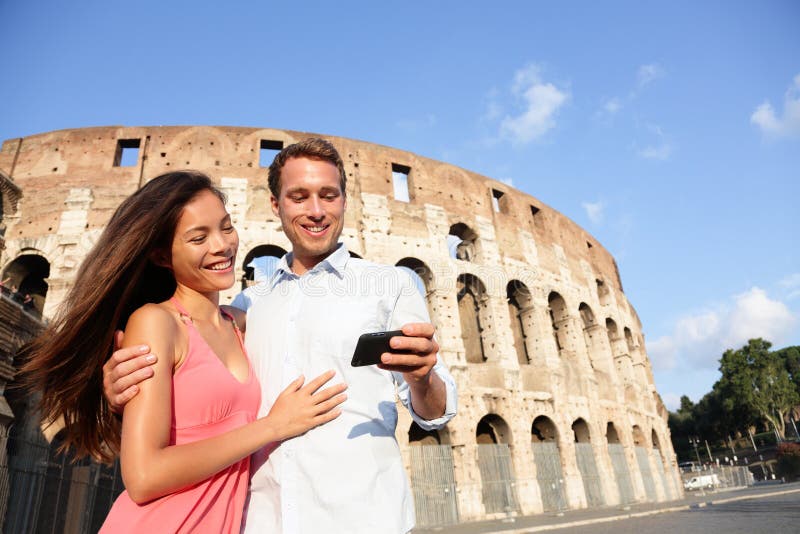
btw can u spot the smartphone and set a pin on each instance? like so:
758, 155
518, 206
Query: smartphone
371, 346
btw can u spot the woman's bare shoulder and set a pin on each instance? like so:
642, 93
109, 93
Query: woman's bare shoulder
153, 319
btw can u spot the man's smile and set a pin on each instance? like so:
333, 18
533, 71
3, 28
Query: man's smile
315, 229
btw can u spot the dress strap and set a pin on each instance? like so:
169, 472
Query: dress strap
181, 310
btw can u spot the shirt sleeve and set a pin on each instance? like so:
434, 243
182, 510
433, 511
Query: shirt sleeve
243, 300
410, 308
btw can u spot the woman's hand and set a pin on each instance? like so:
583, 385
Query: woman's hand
300, 408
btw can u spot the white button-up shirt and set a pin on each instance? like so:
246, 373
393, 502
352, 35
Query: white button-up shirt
346, 475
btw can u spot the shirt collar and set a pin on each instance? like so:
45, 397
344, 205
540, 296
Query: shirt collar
334, 263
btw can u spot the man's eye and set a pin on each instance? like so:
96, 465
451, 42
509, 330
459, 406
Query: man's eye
198, 239
228, 229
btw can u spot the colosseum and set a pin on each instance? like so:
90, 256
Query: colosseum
557, 405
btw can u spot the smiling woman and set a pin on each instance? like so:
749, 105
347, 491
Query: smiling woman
185, 439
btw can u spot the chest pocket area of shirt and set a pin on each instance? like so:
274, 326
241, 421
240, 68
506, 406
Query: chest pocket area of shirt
339, 323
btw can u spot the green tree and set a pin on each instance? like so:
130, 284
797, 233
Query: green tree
791, 359
755, 381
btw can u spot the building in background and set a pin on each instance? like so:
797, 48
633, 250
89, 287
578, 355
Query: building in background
557, 405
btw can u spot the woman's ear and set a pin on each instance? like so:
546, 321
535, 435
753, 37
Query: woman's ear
161, 258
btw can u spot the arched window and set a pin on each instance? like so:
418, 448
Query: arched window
519, 311
260, 263
493, 436
546, 454
629, 341
619, 463
462, 242
558, 316
643, 459
587, 464
418, 436
472, 310
422, 275
25, 281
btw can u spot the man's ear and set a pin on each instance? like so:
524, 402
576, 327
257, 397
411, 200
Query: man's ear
161, 258
274, 203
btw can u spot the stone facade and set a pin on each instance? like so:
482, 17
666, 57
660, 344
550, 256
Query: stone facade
530, 311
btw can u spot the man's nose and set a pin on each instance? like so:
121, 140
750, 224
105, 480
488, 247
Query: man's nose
316, 208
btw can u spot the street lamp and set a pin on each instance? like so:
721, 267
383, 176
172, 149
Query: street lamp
695, 442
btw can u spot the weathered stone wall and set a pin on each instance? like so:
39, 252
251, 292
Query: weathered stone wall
572, 349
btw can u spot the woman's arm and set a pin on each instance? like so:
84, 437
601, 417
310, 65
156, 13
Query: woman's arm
152, 468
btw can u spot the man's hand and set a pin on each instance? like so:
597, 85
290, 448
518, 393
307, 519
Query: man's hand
415, 358
124, 370
415, 353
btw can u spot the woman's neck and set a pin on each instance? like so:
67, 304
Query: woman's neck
202, 306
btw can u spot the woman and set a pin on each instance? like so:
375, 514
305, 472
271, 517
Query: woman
185, 439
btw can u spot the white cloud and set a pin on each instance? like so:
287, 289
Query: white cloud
508, 181
594, 210
756, 315
789, 123
648, 74
541, 101
792, 285
699, 339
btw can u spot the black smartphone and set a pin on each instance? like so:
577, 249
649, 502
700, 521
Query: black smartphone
371, 346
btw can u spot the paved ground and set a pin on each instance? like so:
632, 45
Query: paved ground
766, 508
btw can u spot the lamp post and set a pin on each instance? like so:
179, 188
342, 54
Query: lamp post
695, 442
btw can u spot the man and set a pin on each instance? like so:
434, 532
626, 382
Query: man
347, 475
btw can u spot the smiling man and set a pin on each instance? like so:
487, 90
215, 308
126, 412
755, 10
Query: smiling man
347, 475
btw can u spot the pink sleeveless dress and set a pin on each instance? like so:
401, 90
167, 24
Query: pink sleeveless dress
206, 401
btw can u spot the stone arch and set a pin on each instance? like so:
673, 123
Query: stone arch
27, 274
544, 430
587, 463
581, 431
419, 436
472, 312
589, 326
462, 242
260, 262
643, 460
612, 436
587, 315
520, 311
559, 317
629, 340
619, 464
661, 462
656, 442
492, 429
622, 358
639, 439
548, 460
603, 292
493, 439
420, 272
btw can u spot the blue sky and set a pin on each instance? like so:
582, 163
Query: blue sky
668, 130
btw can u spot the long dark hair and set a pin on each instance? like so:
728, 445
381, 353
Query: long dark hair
116, 278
